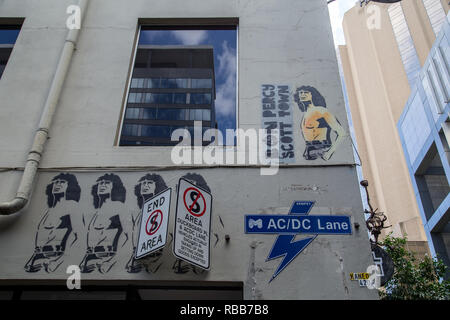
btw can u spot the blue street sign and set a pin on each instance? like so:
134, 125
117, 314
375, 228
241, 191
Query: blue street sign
296, 224
288, 226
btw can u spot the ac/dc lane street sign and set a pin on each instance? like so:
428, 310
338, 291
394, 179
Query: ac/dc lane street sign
193, 224
294, 224
154, 224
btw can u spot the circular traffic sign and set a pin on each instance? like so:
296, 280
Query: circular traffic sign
195, 208
155, 218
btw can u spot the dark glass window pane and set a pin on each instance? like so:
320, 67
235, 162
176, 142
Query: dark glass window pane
2, 67
170, 114
153, 83
200, 98
132, 97
164, 83
201, 83
149, 113
169, 83
130, 130
162, 98
134, 83
179, 98
132, 113
182, 83
206, 115
148, 98
8, 36
198, 114
156, 131
164, 114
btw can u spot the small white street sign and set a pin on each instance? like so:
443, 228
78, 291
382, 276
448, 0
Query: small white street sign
154, 224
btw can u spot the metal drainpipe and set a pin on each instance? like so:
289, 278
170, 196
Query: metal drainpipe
40, 138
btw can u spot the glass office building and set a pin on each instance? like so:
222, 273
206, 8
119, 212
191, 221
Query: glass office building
425, 131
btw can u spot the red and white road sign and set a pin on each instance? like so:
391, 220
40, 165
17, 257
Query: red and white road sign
193, 224
154, 224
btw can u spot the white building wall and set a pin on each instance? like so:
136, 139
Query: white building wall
280, 42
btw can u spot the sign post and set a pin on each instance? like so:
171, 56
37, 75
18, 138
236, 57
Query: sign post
154, 224
193, 225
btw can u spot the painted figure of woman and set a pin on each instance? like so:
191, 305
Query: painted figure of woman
317, 124
147, 187
106, 232
61, 221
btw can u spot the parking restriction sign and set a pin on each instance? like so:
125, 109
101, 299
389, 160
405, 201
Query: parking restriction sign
193, 224
154, 224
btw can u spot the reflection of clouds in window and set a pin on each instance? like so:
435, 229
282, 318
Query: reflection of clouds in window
192, 95
148, 37
190, 37
226, 90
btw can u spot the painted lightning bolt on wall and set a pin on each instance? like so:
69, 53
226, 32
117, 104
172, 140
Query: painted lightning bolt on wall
298, 221
284, 247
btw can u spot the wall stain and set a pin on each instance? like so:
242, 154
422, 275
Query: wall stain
251, 291
299, 187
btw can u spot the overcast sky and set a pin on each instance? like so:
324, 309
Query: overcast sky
337, 10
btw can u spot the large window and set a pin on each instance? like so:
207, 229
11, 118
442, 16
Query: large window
180, 75
432, 181
8, 36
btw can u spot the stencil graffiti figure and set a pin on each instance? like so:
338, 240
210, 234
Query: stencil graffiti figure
106, 228
148, 186
61, 221
317, 124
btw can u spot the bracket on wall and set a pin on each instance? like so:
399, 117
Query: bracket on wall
375, 223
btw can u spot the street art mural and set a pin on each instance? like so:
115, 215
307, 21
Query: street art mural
60, 226
93, 223
277, 115
321, 130
147, 186
105, 230
180, 266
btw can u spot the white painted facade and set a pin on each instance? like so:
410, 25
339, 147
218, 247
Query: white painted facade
280, 42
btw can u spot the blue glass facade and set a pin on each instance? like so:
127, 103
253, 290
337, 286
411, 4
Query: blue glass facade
424, 130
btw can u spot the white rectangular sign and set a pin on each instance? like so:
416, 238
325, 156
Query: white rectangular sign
193, 224
154, 224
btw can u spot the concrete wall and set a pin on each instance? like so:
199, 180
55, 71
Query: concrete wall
280, 42
273, 48
323, 268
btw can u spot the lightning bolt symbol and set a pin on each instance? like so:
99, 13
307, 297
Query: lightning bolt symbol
284, 247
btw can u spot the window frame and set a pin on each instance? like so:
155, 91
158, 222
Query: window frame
10, 24
177, 24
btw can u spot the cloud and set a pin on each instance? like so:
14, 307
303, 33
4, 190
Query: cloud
190, 37
226, 91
